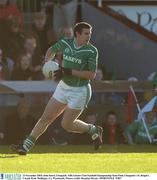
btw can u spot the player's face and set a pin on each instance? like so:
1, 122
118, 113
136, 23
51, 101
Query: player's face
85, 36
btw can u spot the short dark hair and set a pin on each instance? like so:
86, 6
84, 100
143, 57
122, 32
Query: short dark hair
80, 26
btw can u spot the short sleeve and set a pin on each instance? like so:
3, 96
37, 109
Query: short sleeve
93, 60
58, 47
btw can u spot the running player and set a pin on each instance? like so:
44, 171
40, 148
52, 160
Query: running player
73, 91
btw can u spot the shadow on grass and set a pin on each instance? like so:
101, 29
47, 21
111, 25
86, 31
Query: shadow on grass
85, 149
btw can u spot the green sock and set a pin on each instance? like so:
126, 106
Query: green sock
93, 131
29, 143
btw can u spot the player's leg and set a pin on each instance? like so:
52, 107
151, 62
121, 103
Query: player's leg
78, 99
71, 123
53, 109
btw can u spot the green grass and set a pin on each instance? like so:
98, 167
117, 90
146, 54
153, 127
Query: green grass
81, 159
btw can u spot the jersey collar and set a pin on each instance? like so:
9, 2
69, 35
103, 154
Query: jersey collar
74, 44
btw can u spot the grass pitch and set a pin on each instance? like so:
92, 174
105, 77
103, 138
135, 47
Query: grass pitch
81, 159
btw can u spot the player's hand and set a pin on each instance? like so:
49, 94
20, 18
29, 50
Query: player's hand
58, 75
61, 72
67, 71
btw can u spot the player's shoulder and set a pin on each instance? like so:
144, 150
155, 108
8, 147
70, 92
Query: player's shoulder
92, 48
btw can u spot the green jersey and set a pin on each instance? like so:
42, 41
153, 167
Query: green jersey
138, 132
84, 58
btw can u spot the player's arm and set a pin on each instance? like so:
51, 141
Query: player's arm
49, 55
84, 74
72, 72
92, 66
51, 52
87, 74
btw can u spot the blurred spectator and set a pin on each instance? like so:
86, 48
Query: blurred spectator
31, 48
91, 117
6, 66
58, 135
66, 31
12, 38
19, 123
136, 133
132, 79
64, 13
153, 79
45, 36
22, 69
48, 6
116, 98
30, 44
9, 10
98, 98
1, 137
99, 75
113, 133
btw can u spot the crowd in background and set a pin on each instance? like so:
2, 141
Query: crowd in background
22, 54
23, 115
115, 131
22, 50
23, 47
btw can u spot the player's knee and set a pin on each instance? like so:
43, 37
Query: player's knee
65, 125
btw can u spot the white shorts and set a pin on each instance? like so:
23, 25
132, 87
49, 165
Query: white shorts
74, 97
